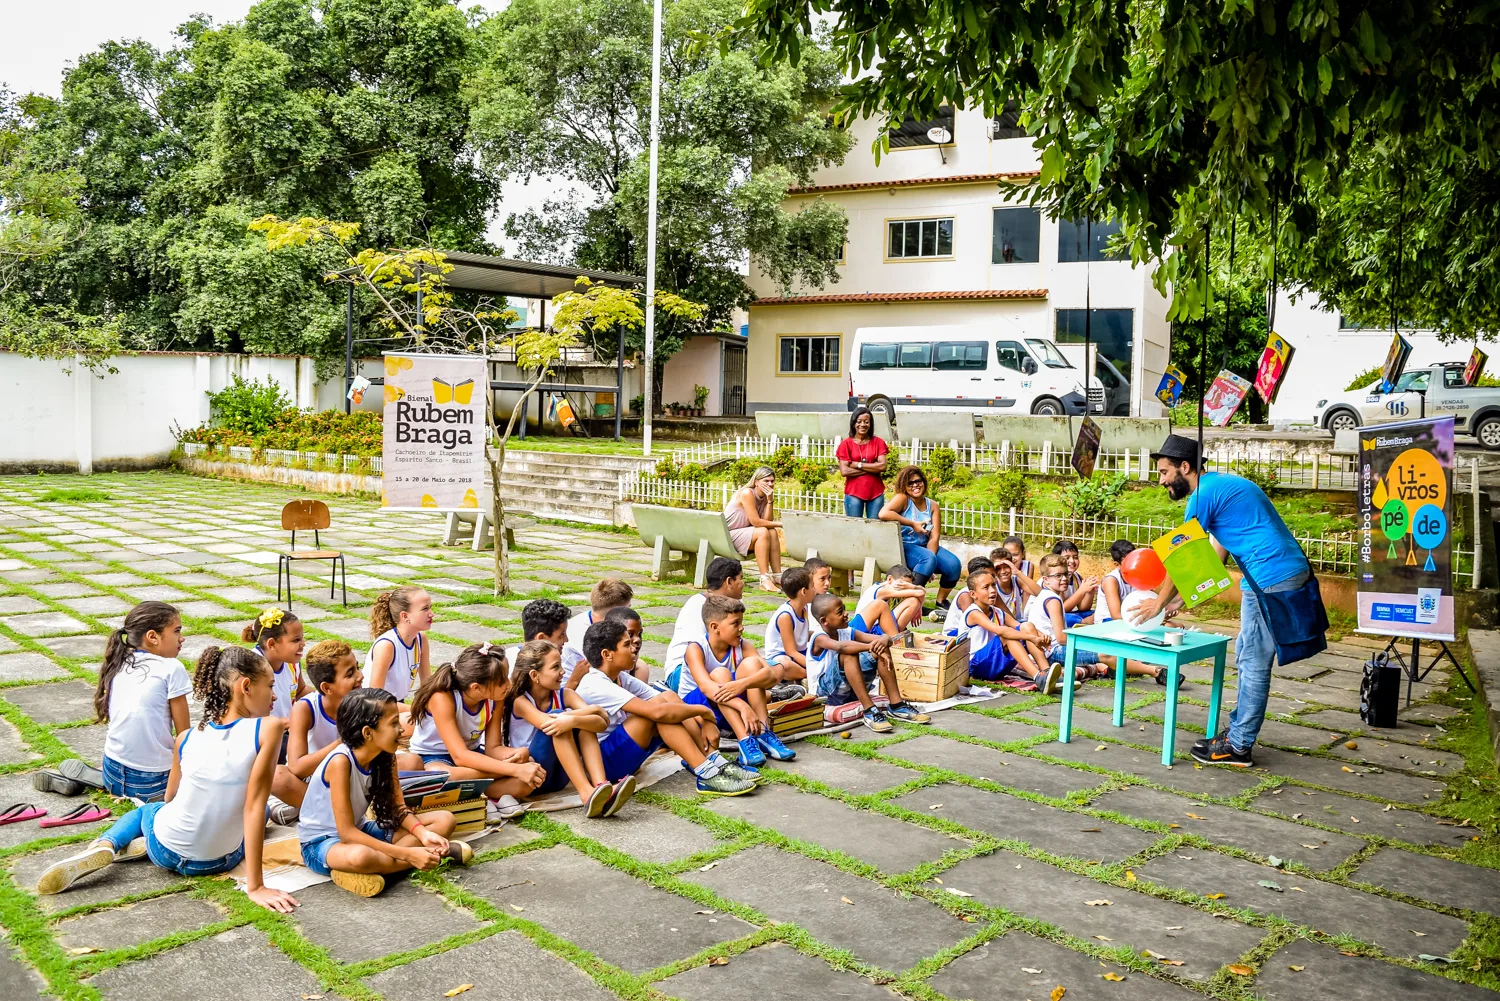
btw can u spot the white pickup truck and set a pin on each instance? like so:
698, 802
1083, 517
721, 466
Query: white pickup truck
1435, 391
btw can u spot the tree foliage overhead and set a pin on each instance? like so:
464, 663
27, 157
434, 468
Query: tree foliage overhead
338, 108
564, 91
1174, 115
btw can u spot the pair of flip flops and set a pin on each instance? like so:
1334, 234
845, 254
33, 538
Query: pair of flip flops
86, 813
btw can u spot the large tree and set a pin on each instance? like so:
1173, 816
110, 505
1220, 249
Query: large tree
1174, 115
564, 91
341, 108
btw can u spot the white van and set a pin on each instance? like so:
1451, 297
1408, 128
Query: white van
1108, 389
974, 369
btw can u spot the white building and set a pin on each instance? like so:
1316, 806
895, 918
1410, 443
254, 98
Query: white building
933, 240
1331, 351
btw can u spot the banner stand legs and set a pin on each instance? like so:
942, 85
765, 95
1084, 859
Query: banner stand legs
1414, 670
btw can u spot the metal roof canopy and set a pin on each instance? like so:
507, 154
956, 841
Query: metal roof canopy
526, 279
492, 275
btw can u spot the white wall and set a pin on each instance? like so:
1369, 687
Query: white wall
1328, 357
699, 363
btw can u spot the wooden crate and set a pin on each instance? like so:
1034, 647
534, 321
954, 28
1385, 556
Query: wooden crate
933, 668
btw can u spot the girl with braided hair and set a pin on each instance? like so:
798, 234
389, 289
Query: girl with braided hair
142, 693
215, 809
360, 774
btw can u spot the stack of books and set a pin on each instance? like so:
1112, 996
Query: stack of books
795, 716
469, 813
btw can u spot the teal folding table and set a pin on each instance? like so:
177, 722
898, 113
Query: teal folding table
1122, 640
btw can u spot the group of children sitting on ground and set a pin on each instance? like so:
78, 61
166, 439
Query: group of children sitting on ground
314, 737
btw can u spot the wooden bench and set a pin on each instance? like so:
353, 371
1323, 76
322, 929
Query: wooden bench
697, 535
850, 544
476, 524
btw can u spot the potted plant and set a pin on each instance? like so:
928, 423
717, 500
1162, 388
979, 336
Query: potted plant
700, 397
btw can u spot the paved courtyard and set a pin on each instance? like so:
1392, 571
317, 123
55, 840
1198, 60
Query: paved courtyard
974, 858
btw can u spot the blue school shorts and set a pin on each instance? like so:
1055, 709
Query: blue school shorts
315, 853
622, 755
543, 750
858, 624
991, 661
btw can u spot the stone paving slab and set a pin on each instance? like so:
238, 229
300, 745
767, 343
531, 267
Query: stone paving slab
468, 632
1423, 760
85, 741
549, 885
111, 883
1322, 972
843, 771
1349, 723
15, 604
28, 666
1185, 775
1008, 768
89, 647
886, 843
641, 831
18, 982
1254, 832
1360, 816
353, 930
1000, 731
242, 957
45, 624
1349, 777
1427, 877
1132, 919
1001, 970
59, 702
1046, 828
876, 925
504, 967
772, 971
133, 924
1326, 907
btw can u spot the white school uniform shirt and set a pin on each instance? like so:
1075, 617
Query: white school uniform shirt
402, 677
801, 632
572, 651
819, 661
597, 689
206, 819
140, 720
954, 620
316, 817
521, 731
1038, 614
689, 628
283, 687
1014, 602
979, 637
1101, 604
426, 739
687, 684
324, 729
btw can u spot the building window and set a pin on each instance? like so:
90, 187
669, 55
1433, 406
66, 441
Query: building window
1007, 124
1074, 243
912, 132
910, 239
809, 354
1111, 331
1017, 236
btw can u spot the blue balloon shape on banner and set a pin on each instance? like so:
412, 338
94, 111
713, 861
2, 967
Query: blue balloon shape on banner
1429, 527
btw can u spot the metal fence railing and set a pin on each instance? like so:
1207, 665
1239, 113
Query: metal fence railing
1302, 469
289, 457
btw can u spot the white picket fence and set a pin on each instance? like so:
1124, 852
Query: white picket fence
1307, 470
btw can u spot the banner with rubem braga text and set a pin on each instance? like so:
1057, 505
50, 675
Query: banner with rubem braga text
432, 450
1405, 559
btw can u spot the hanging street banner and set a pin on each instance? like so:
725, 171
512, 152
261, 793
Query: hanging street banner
1169, 390
1272, 368
432, 449
1405, 575
1395, 363
1224, 397
1475, 368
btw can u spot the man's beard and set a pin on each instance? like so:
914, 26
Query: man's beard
1178, 487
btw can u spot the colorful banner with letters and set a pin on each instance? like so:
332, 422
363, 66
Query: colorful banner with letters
434, 437
1405, 572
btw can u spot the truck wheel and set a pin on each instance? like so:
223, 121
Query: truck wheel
1341, 420
1488, 433
1047, 407
883, 405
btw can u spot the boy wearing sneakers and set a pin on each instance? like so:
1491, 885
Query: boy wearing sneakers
641, 719
843, 664
790, 629
999, 644
727, 675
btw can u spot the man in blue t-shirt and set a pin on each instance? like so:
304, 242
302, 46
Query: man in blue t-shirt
1243, 523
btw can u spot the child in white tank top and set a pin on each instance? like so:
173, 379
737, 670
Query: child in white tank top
398, 658
560, 731
334, 672
221, 777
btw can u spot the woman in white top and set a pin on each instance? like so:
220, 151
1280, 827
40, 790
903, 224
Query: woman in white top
398, 659
214, 816
142, 693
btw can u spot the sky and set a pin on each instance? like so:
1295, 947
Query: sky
47, 38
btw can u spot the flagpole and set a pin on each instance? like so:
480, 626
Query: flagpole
648, 377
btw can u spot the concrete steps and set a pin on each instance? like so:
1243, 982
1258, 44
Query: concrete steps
565, 485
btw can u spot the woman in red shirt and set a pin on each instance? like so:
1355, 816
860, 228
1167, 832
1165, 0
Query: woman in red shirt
861, 461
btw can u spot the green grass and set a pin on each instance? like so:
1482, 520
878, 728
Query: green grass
74, 495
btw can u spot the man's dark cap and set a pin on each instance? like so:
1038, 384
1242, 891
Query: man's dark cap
1178, 448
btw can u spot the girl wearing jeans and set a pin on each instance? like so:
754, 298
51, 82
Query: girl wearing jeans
142, 692
214, 816
921, 531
